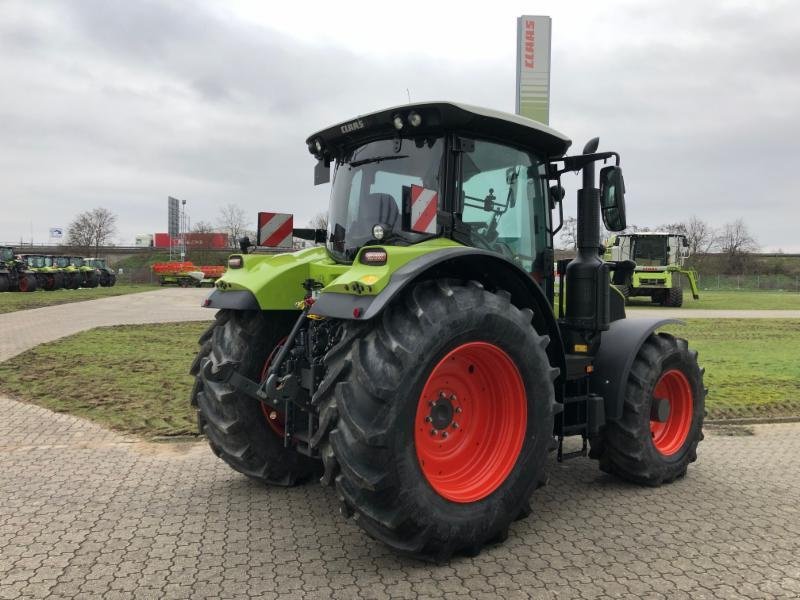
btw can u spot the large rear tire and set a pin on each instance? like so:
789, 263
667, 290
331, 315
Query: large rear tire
234, 424
5, 284
643, 446
27, 282
440, 414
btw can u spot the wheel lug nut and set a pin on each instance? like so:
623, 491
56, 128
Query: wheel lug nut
273, 415
453, 398
458, 410
455, 425
428, 419
433, 432
444, 434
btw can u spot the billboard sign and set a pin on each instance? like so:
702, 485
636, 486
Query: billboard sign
533, 68
173, 217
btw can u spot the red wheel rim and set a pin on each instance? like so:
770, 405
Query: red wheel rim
670, 435
274, 418
23, 284
470, 422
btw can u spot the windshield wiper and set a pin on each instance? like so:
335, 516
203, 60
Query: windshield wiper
376, 159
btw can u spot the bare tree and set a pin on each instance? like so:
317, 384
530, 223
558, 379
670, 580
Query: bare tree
232, 221
203, 227
674, 228
319, 221
568, 236
92, 229
700, 236
736, 242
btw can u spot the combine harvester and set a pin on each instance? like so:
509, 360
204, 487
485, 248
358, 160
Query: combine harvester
186, 273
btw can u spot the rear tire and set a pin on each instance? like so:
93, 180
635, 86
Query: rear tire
374, 397
27, 282
5, 284
233, 423
646, 451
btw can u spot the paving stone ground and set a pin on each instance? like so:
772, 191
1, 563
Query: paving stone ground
87, 513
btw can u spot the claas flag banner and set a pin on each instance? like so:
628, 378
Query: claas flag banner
533, 68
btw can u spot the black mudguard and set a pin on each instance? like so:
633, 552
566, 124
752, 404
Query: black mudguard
492, 270
612, 365
236, 300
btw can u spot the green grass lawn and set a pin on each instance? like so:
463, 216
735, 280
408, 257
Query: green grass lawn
14, 301
752, 366
134, 378
732, 299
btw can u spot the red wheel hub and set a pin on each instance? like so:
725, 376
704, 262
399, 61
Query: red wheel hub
275, 419
23, 284
669, 435
470, 422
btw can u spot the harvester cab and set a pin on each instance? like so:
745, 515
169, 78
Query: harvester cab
419, 348
659, 259
15, 274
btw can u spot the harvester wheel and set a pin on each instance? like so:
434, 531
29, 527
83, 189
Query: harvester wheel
58, 280
73, 281
674, 295
5, 284
440, 415
662, 415
234, 423
105, 279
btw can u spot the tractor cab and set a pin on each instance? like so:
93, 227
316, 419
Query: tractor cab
34, 261
6, 253
476, 176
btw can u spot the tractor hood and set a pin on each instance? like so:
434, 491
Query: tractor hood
435, 117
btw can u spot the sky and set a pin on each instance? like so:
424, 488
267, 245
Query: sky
120, 104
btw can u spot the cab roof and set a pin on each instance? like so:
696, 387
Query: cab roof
436, 118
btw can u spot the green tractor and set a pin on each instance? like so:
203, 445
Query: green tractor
72, 275
15, 275
90, 276
48, 276
107, 276
659, 259
416, 361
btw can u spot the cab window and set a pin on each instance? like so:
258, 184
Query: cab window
503, 202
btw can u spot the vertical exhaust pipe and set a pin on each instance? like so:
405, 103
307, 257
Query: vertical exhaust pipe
587, 275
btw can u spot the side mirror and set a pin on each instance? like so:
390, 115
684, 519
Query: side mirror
612, 198
556, 195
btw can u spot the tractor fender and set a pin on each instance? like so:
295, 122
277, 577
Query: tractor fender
612, 364
234, 299
490, 269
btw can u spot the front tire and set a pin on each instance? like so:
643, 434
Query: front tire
234, 424
644, 446
673, 297
441, 417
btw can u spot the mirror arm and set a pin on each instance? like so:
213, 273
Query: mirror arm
560, 213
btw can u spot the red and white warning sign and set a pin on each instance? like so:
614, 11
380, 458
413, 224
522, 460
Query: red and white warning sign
424, 204
275, 229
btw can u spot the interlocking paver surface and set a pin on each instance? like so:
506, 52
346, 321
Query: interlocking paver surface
89, 513
25, 329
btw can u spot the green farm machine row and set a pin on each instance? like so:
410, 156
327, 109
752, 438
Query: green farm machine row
29, 272
416, 362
